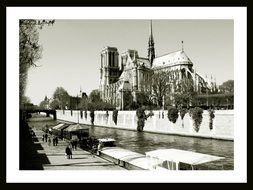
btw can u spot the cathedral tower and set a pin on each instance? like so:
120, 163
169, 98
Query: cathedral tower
109, 71
151, 46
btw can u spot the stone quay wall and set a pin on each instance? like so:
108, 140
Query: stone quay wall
223, 122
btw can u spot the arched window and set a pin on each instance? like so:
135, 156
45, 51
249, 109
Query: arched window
113, 57
109, 59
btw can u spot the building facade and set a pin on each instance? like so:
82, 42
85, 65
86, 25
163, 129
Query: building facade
129, 73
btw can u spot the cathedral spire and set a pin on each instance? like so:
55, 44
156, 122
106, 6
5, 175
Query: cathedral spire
151, 45
151, 31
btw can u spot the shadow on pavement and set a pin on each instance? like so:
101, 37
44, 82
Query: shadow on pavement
29, 158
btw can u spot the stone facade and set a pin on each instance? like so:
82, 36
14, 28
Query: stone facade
129, 72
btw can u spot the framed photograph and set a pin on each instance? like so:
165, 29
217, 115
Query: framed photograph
126, 94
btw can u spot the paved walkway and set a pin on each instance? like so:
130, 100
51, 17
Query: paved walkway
81, 160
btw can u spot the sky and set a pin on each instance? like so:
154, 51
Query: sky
71, 50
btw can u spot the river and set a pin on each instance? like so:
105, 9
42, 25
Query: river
142, 142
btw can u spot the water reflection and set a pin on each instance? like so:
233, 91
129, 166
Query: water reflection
143, 142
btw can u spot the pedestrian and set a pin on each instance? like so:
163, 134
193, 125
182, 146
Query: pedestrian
43, 137
68, 152
49, 141
46, 137
99, 148
75, 144
56, 141
53, 141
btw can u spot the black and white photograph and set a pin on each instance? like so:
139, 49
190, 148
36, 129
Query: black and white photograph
127, 94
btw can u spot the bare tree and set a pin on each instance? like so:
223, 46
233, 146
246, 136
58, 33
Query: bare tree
184, 92
227, 87
161, 85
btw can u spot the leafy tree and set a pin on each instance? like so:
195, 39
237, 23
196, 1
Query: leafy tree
29, 49
182, 112
144, 99
115, 116
227, 87
196, 114
62, 96
94, 96
211, 117
25, 100
141, 117
94, 102
55, 104
128, 100
92, 116
84, 104
172, 114
43, 104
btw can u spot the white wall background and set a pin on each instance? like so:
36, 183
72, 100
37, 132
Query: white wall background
223, 123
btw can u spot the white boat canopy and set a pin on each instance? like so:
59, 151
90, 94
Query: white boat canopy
187, 157
106, 140
58, 126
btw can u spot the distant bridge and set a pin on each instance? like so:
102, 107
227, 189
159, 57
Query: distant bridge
48, 112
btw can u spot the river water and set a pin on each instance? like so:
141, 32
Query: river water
142, 142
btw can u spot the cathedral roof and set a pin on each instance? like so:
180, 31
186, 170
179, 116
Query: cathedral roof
143, 62
171, 59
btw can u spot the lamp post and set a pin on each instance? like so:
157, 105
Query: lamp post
163, 102
77, 109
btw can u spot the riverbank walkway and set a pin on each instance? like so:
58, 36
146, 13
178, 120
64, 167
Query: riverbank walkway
81, 160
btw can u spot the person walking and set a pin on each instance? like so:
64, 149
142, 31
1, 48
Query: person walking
53, 140
43, 137
56, 141
46, 137
68, 152
75, 144
70, 155
49, 141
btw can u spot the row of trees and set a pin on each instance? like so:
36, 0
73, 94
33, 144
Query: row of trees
183, 96
62, 100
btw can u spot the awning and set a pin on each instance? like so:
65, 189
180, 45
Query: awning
65, 125
183, 156
77, 127
58, 126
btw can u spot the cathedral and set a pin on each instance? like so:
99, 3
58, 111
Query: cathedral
129, 72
